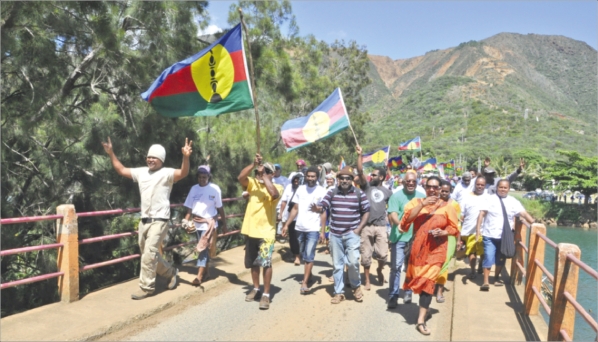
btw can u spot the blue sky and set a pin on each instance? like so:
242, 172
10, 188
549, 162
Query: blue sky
404, 29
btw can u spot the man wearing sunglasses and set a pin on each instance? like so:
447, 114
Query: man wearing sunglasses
374, 239
349, 212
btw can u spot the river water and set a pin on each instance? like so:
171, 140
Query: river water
587, 241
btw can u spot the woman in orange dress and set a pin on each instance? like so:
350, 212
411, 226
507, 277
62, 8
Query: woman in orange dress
433, 220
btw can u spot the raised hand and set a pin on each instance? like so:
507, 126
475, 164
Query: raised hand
521, 163
107, 146
187, 148
257, 160
358, 149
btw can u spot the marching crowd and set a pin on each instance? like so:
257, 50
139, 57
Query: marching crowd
420, 220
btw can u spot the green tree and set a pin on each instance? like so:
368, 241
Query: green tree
575, 173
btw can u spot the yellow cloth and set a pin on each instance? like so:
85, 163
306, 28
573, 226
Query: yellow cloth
471, 246
260, 215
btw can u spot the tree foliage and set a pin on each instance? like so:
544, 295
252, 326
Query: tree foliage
575, 173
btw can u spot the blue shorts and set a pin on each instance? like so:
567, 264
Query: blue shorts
307, 245
492, 255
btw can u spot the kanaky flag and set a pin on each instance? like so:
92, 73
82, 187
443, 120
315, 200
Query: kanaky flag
411, 145
395, 163
326, 120
211, 82
428, 165
376, 158
342, 164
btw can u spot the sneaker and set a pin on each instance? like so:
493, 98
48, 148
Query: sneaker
173, 281
252, 295
141, 294
393, 302
407, 297
265, 303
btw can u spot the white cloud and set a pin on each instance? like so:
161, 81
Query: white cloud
211, 29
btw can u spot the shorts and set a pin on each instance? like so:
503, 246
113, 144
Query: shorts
258, 252
492, 254
307, 245
471, 246
374, 244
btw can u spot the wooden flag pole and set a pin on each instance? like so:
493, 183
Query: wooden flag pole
253, 90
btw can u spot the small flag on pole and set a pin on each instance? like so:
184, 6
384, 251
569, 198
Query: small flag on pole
342, 164
326, 120
214, 81
411, 145
395, 163
376, 158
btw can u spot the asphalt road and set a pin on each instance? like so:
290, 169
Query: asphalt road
223, 314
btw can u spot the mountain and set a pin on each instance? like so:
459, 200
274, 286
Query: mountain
507, 95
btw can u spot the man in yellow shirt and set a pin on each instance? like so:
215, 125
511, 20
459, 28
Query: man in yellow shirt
259, 225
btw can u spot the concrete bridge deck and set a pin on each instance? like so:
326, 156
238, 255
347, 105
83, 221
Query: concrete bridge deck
110, 314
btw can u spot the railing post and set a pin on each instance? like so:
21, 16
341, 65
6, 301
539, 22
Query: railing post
67, 232
520, 235
534, 273
566, 275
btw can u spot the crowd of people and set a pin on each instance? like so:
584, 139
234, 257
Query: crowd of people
420, 220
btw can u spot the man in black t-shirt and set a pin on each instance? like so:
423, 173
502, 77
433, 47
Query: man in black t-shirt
374, 238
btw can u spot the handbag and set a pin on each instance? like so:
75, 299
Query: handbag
507, 239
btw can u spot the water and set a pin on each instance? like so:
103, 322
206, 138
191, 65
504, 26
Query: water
587, 241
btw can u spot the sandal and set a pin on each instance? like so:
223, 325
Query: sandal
337, 298
439, 299
499, 282
196, 282
358, 294
368, 287
304, 290
423, 332
472, 275
485, 287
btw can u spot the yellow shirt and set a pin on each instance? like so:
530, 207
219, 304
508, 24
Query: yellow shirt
260, 215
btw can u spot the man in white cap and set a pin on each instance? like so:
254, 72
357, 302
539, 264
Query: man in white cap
155, 183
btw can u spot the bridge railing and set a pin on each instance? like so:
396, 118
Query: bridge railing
67, 243
528, 264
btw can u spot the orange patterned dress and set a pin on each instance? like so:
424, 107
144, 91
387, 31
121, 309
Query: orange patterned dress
428, 253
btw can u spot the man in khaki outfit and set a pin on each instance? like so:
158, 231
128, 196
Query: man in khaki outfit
155, 183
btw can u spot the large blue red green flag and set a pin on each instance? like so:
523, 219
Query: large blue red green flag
395, 163
428, 165
213, 81
376, 158
411, 145
329, 118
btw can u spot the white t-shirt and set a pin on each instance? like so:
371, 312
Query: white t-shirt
307, 220
460, 192
154, 187
204, 201
493, 222
471, 204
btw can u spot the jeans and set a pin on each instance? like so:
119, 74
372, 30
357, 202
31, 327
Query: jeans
345, 250
307, 244
203, 257
397, 256
492, 254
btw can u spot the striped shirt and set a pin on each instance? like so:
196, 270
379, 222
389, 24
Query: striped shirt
344, 210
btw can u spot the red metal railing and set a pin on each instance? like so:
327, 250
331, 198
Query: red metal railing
89, 240
538, 238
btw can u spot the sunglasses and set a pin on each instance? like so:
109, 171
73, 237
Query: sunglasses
345, 178
433, 187
411, 182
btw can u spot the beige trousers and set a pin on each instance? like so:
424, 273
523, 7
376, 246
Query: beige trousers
374, 244
151, 236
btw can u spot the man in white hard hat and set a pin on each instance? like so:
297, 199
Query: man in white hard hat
155, 183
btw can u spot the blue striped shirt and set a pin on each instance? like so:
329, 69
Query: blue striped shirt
345, 215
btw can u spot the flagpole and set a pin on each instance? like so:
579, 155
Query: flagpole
340, 93
253, 90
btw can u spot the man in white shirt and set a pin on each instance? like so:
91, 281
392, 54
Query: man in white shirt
204, 201
310, 225
155, 183
278, 177
471, 204
492, 216
461, 189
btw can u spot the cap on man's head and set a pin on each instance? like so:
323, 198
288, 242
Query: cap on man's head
269, 166
466, 175
346, 171
277, 167
204, 169
300, 162
489, 170
157, 151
